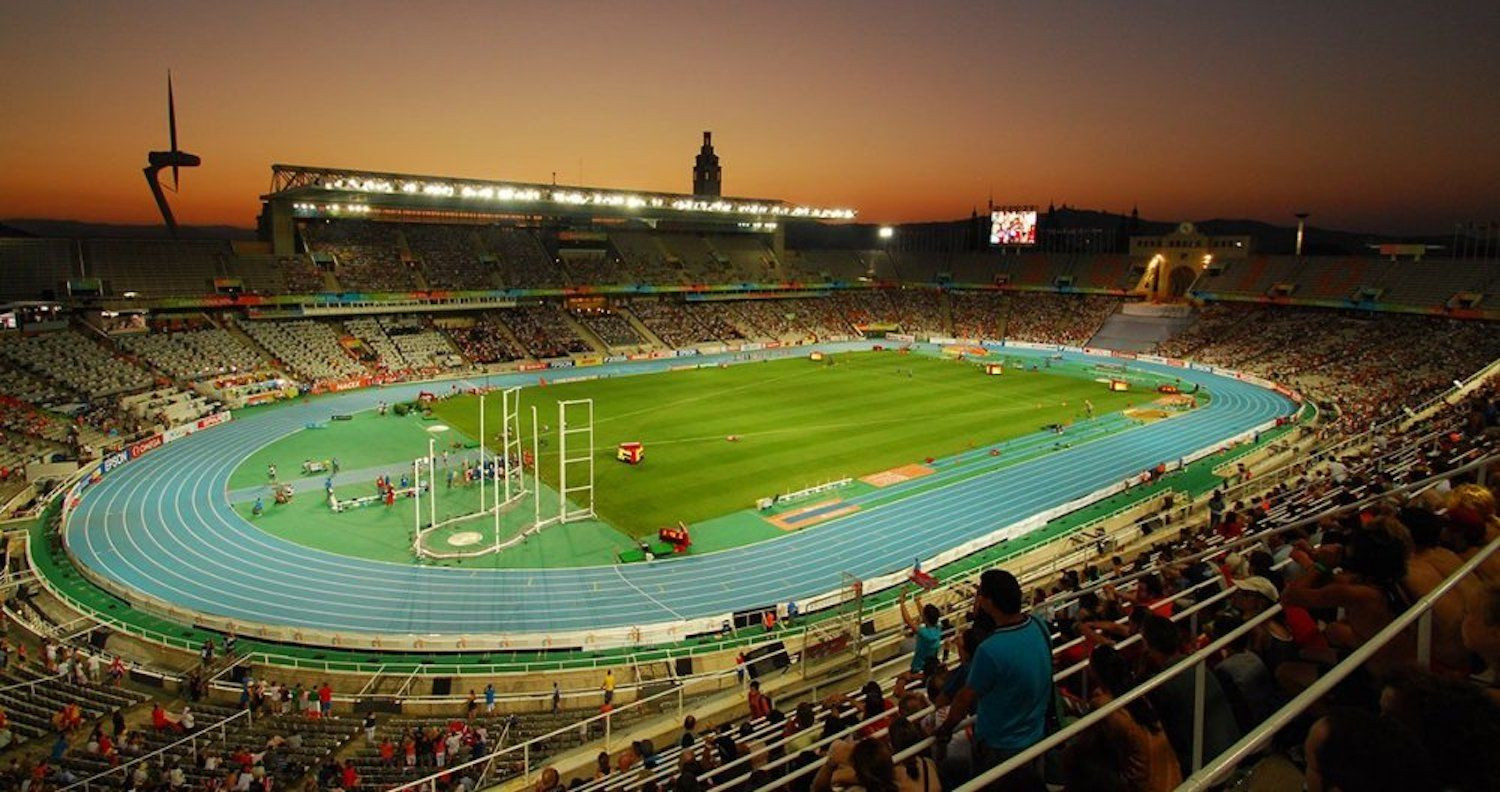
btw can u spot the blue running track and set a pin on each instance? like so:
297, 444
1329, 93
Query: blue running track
162, 526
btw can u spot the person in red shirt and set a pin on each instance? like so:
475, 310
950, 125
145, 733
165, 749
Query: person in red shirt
387, 753
349, 777
760, 703
325, 700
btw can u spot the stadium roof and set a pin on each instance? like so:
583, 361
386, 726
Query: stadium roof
340, 192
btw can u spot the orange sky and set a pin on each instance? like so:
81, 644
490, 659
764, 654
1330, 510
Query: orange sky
1373, 115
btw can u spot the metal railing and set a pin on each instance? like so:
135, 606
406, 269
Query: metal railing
586, 725
30, 684
222, 726
1420, 614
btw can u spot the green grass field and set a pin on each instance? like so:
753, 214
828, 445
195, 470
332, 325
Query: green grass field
798, 423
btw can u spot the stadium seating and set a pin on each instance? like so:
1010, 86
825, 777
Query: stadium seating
544, 330
450, 256
35, 269
402, 344
611, 328
485, 339
194, 354
978, 314
75, 362
167, 406
1367, 366
523, 261
1058, 319
307, 348
301, 276
680, 325
365, 255
155, 267
421, 347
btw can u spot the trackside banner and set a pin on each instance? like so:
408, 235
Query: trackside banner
142, 447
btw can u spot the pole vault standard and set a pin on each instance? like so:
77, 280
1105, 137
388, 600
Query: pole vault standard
571, 434
481, 449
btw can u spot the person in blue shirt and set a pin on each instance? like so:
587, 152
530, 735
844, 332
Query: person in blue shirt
489, 699
1009, 686
929, 632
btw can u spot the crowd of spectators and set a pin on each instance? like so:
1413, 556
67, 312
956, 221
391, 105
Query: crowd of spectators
545, 331
524, 261
366, 255
449, 255
1366, 366
977, 314
1058, 318
671, 321
611, 328
485, 340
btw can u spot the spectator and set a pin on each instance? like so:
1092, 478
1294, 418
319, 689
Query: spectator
1147, 760
1368, 590
1481, 634
760, 704
1010, 679
1174, 699
928, 633
865, 765
1458, 725
1350, 750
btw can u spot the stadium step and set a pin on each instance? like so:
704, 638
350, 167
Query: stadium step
640, 328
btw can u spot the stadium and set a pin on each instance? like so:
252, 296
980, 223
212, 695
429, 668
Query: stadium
442, 483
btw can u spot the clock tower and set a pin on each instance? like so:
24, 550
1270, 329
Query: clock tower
706, 171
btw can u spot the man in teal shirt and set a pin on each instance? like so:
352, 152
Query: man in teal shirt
1010, 678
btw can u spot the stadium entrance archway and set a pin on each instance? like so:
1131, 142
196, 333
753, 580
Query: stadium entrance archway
1178, 282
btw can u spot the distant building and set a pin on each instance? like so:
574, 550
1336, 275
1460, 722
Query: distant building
1175, 259
707, 176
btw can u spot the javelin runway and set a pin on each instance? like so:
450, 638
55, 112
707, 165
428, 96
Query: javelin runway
162, 525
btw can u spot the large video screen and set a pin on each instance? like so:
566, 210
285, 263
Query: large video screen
1013, 226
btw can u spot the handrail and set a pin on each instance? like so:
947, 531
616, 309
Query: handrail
219, 724
432, 780
1196, 660
1421, 609
1273, 530
31, 683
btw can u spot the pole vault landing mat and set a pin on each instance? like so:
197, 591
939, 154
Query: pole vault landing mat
886, 478
797, 519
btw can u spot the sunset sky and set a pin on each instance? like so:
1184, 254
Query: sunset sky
1370, 115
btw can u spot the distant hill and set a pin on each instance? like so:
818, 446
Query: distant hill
75, 228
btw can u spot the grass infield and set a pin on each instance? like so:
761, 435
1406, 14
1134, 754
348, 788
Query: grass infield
796, 423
